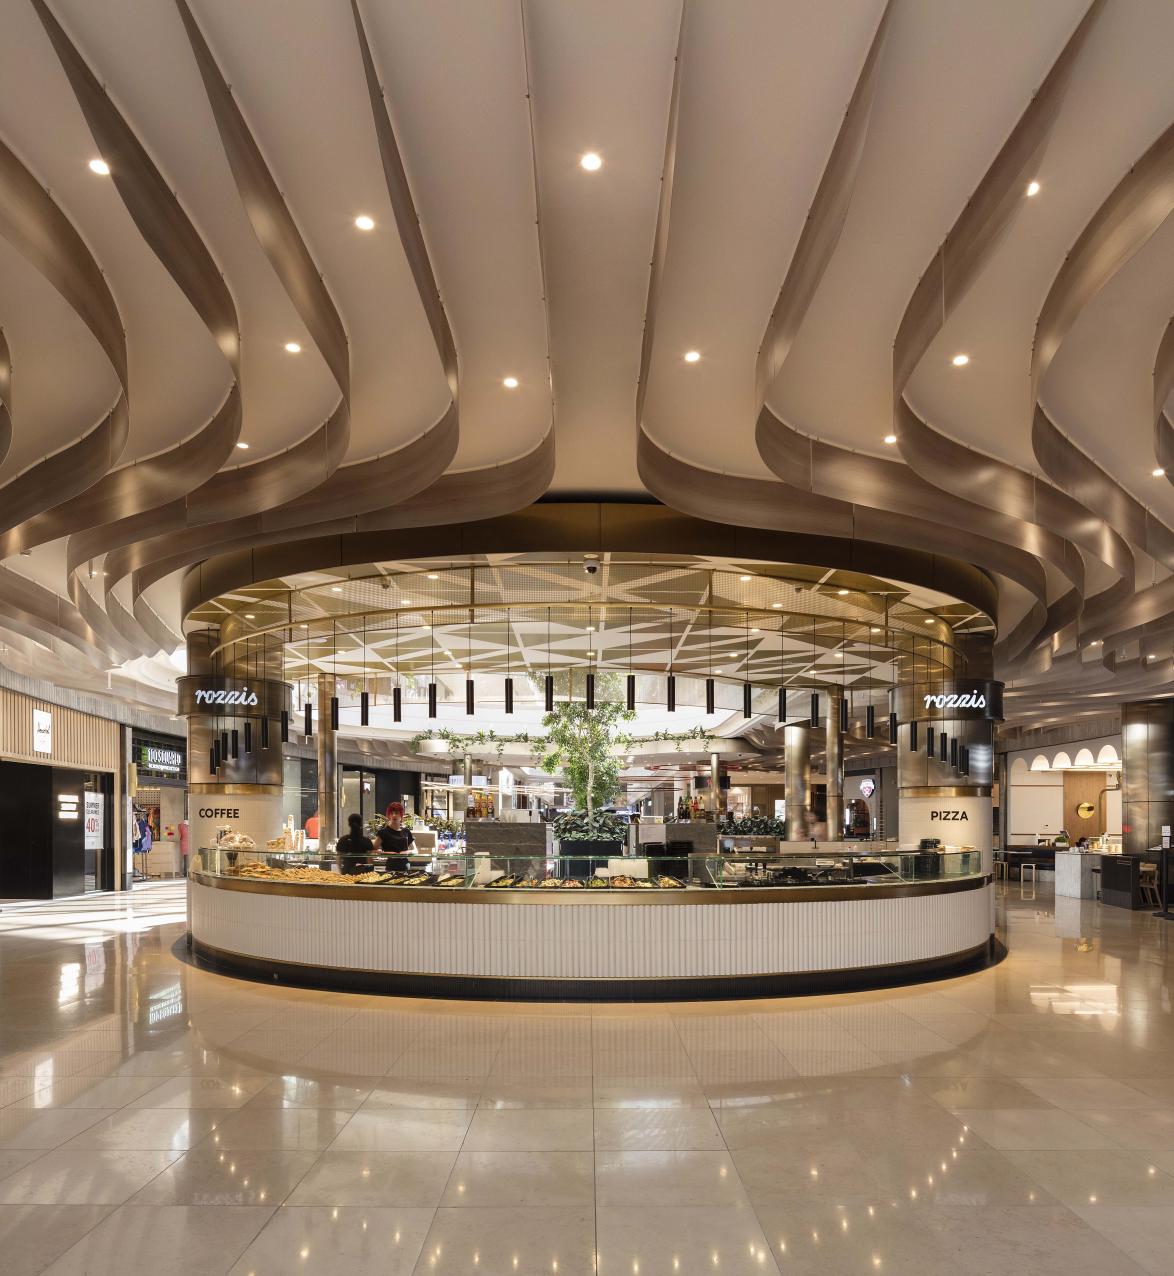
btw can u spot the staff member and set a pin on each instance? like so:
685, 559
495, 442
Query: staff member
354, 849
394, 838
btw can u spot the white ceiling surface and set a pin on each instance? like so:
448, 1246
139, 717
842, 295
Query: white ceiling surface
1098, 388
601, 78
955, 78
763, 92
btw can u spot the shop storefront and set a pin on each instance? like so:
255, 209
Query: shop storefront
59, 781
157, 783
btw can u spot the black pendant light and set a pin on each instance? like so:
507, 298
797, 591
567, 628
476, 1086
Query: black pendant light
334, 680
929, 742
470, 693
364, 709
397, 705
913, 736
309, 731
954, 752
470, 697
943, 746
671, 693
236, 744
710, 695
870, 721
548, 692
432, 700
783, 704
892, 728
265, 732
631, 693
509, 681
965, 760
432, 678
213, 760
248, 737
509, 695
814, 718
590, 691
334, 713
843, 715
285, 726
747, 700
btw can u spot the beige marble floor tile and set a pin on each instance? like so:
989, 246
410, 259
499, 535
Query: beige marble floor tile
1078, 1180
88, 1092
404, 1130
32, 1236
375, 1178
76, 1177
954, 1093
339, 1093
536, 1092
22, 1127
657, 1129
181, 1240
271, 1129
1144, 1233
651, 1092
530, 1130
1041, 1128
13, 1159
397, 1091
338, 1241
507, 1240
210, 1177
201, 1092
667, 1178
518, 1179
148, 1129
684, 1241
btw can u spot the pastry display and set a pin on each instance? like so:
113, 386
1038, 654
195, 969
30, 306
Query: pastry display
372, 879
231, 840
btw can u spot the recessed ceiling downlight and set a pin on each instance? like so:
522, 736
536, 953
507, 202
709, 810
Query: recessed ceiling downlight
592, 162
293, 347
100, 167
1032, 189
1158, 472
363, 222
510, 383
890, 438
244, 447
960, 360
692, 356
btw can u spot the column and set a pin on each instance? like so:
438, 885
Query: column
936, 798
327, 765
797, 780
1147, 773
835, 770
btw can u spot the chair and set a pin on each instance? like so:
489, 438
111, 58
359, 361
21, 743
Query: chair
1148, 882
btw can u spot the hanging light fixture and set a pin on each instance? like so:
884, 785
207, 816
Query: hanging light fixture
943, 744
710, 685
470, 695
224, 742
432, 682
334, 713
747, 689
892, 728
870, 721
913, 736
509, 682
814, 718
364, 695
783, 704
265, 732
631, 675
470, 703
236, 744
397, 695
929, 741
334, 680
954, 752
213, 759
309, 731
590, 691
285, 726
248, 737
548, 682
844, 714
710, 695
671, 681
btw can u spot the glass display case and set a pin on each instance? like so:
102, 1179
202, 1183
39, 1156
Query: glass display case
444, 871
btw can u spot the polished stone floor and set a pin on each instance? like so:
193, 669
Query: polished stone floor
158, 1119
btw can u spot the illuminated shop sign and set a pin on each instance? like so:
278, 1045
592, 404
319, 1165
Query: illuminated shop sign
207, 695
968, 700
154, 758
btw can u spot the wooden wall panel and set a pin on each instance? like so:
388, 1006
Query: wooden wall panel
79, 740
1084, 786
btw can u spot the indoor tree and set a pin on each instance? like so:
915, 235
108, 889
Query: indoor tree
580, 744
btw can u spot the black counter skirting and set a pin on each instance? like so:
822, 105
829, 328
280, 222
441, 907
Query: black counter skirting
469, 988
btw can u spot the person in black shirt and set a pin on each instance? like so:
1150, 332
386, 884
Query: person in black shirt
354, 850
393, 837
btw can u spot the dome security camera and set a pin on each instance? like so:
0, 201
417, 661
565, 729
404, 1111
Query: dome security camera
591, 568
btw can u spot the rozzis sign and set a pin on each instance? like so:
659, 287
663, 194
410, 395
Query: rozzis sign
966, 700
211, 695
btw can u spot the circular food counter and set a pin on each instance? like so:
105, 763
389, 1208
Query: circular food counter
596, 938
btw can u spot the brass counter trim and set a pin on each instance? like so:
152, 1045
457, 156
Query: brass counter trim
536, 896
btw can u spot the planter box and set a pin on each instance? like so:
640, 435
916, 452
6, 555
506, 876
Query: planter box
603, 851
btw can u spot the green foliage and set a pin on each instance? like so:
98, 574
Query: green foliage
579, 745
760, 825
599, 826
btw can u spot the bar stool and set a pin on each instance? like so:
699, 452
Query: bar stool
1148, 882
1027, 864
1000, 870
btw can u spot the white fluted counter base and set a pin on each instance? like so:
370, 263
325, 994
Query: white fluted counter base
730, 945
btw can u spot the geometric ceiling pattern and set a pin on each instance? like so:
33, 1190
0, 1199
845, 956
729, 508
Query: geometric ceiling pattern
274, 271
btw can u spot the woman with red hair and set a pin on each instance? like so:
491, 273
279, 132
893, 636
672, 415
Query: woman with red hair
394, 838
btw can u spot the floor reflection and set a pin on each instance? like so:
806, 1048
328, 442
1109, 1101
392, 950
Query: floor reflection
1020, 1119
